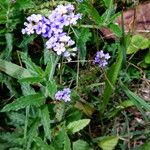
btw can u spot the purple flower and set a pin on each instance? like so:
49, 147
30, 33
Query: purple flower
101, 59
52, 42
70, 42
52, 29
29, 29
48, 32
63, 95
70, 8
40, 28
56, 29
59, 48
34, 18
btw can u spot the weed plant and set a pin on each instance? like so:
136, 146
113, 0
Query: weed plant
63, 86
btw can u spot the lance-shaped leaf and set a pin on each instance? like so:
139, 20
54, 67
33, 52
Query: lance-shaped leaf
14, 70
76, 126
35, 99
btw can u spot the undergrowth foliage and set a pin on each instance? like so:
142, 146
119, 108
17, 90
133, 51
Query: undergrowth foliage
63, 86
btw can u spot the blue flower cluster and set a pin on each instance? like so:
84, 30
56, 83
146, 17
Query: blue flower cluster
63, 95
101, 58
52, 28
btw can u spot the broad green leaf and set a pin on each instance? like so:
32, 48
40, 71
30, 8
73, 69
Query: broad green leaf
108, 143
138, 42
12, 138
49, 57
112, 75
59, 110
24, 101
76, 126
11, 85
51, 66
81, 145
147, 58
108, 16
45, 120
83, 36
26, 40
42, 144
135, 98
74, 115
115, 29
13, 70
108, 3
25, 4
27, 89
95, 15
67, 143
32, 132
16, 118
9, 46
51, 88
31, 80
31, 66
58, 142
126, 104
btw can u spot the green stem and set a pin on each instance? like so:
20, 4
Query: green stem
88, 26
7, 16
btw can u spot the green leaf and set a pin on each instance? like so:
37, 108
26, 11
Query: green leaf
83, 36
108, 143
81, 145
108, 3
24, 101
9, 41
137, 42
59, 110
51, 88
25, 4
45, 120
26, 40
94, 14
135, 98
31, 80
108, 16
67, 143
31, 66
147, 58
112, 75
27, 89
126, 104
13, 70
115, 29
32, 132
76, 126
49, 56
42, 144
51, 66
58, 142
